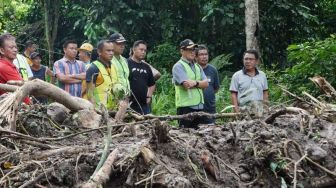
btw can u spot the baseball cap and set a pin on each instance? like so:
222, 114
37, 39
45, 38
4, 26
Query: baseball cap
187, 43
86, 47
34, 55
117, 37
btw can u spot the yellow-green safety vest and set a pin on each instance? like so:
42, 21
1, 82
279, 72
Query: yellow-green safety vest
22, 67
103, 93
122, 74
189, 97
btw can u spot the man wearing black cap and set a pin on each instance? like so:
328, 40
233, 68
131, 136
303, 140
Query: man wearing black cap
121, 82
189, 80
40, 72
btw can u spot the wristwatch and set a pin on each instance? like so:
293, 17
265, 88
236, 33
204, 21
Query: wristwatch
197, 83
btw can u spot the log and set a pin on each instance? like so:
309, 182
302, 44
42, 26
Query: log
324, 85
40, 88
104, 172
147, 154
287, 110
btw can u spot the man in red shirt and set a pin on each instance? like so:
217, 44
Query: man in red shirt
8, 51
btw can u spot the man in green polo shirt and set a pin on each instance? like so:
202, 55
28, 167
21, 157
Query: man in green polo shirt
121, 83
189, 80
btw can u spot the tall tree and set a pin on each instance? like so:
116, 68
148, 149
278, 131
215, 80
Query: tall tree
51, 17
252, 24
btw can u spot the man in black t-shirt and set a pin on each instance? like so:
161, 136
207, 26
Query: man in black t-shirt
141, 79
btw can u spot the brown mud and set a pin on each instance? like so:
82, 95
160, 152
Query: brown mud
292, 150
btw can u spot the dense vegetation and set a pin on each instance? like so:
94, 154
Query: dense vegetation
295, 36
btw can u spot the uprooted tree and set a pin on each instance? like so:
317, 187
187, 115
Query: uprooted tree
288, 146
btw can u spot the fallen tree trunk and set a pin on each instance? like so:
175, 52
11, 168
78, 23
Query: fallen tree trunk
185, 116
10, 105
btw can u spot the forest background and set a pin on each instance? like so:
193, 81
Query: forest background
296, 38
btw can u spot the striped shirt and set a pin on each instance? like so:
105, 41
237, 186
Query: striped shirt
67, 67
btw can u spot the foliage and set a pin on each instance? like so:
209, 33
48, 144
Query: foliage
222, 61
284, 22
163, 101
276, 95
164, 56
13, 15
223, 96
311, 59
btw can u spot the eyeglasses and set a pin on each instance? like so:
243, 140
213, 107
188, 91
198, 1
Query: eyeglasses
249, 59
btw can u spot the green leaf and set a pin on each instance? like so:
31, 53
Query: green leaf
273, 166
129, 22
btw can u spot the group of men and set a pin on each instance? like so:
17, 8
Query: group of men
196, 83
110, 77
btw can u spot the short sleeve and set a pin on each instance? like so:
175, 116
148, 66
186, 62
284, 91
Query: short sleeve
57, 69
265, 85
216, 79
179, 74
203, 74
91, 73
234, 83
151, 80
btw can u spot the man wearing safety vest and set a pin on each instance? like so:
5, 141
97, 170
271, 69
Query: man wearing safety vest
121, 85
22, 65
99, 76
189, 80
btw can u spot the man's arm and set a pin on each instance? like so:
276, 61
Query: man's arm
188, 84
80, 76
204, 83
14, 75
216, 81
265, 97
89, 92
61, 76
180, 76
67, 79
150, 93
52, 77
234, 100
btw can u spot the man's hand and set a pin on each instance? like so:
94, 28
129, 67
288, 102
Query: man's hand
188, 84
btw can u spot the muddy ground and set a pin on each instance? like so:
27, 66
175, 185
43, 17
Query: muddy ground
291, 150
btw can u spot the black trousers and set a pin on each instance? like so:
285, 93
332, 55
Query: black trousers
189, 123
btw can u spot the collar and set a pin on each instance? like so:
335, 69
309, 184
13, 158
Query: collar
106, 65
135, 61
186, 61
68, 61
245, 72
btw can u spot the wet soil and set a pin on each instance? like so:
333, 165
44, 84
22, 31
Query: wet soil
244, 153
